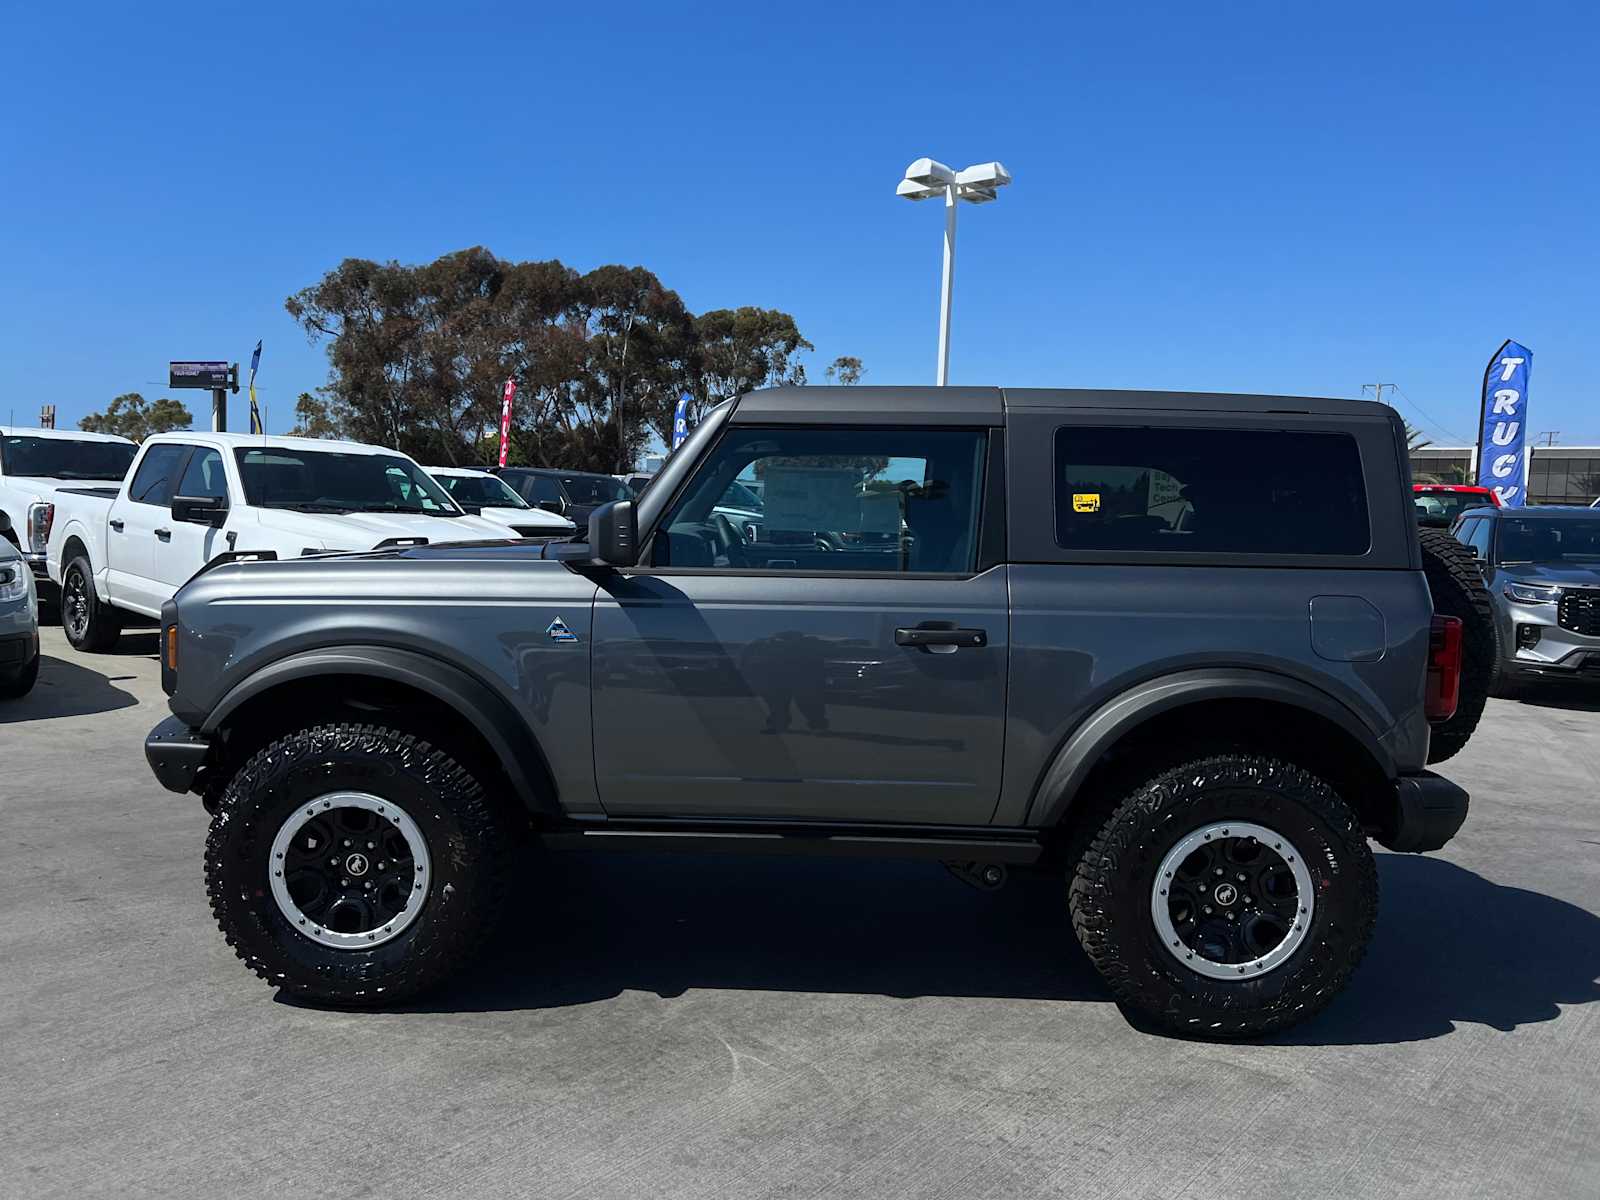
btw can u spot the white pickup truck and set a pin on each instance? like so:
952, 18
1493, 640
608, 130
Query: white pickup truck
35, 464
190, 497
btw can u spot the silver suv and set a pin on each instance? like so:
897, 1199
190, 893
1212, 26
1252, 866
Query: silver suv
1179, 649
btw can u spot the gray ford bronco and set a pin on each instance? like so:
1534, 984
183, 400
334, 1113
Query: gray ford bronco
1179, 648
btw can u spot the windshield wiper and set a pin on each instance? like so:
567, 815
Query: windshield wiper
409, 511
317, 506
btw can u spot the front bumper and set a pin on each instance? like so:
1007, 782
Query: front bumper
17, 650
1427, 811
176, 753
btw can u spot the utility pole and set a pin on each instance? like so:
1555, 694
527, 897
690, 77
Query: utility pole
1550, 436
1377, 390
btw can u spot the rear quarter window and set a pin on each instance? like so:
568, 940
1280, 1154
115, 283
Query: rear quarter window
1209, 491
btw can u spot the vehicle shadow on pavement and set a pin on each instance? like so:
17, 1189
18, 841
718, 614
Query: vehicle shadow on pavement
1450, 947
1572, 697
65, 690
600, 923
1453, 947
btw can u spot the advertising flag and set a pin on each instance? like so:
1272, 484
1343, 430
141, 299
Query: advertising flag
1503, 424
255, 413
505, 419
680, 421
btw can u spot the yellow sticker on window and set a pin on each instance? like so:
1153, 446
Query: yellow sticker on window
1085, 501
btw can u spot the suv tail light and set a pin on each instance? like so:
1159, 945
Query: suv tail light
40, 518
1444, 669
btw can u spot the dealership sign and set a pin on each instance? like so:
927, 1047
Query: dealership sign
213, 375
1503, 424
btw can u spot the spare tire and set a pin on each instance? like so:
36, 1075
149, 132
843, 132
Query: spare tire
1456, 582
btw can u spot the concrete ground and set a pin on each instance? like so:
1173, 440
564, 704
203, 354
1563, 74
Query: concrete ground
702, 1027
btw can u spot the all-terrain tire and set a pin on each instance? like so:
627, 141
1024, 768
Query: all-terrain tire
90, 624
467, 836
1456, 581
1110, 895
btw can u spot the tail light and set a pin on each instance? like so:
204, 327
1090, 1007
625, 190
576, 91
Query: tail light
40, 519
1444, 669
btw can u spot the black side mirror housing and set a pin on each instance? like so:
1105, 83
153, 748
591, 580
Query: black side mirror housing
200, 510
5, 523
614, 534
555, 506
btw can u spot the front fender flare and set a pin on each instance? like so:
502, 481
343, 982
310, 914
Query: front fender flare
513, 743
1083, 747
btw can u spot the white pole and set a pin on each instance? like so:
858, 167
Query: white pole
949, 280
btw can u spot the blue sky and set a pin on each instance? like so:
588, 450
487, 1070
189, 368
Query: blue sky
1228, 197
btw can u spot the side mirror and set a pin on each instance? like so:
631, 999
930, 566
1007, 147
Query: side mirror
200, 510
556, 506
5, 523
614, 534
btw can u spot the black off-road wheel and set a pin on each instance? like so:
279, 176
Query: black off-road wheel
90, 624
1227, 897
1456, 581
356, 865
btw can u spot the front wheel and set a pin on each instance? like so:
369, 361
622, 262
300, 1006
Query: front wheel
90, 624
1230, 896
355, 864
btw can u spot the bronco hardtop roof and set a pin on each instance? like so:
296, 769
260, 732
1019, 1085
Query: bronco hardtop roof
988, 406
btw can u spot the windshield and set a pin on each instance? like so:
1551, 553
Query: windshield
65, 458
595, 489
739, 496
480, 491
1447, 506
327, 481
1547, 540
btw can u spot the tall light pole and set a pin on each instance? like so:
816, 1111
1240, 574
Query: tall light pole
978, 184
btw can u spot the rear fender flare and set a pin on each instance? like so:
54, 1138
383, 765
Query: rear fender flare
1058, 786
513, 743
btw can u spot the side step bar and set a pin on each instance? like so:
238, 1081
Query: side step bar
1015, 849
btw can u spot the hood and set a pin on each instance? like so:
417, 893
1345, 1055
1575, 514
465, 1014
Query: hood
527, 518
364, 530
1556, 573
46, 488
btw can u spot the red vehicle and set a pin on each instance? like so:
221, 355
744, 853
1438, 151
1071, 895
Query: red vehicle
1439, 504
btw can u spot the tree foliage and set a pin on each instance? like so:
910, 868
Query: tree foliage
846, 369
131, 416
418, 356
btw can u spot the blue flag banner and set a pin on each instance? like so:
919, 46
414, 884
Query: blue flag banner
1503, 424
255, 413
680, 421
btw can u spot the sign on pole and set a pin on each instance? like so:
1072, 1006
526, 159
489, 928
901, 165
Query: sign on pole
680, 421
1503, 424
505, 419
211, 375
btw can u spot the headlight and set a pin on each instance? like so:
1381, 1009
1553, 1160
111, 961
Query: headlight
41, 517
13, 581
1532, 593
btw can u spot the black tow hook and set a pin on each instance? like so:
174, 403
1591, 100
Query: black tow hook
986, 877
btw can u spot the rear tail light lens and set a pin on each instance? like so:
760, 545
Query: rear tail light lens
1444, 669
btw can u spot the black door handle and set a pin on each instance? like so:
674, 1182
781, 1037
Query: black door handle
924, 636
164, 534
116, 524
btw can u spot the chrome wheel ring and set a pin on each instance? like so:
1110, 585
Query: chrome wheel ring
1232, 900
350, 870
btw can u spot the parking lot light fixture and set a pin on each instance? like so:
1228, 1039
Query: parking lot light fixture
927, 178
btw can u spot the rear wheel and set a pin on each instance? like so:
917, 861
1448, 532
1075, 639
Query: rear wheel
1456, 581
90, 624
1227, 897
355, 864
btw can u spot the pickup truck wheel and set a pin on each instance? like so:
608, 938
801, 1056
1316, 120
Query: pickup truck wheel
355, 864
90, 625
1455, 579
1229, 897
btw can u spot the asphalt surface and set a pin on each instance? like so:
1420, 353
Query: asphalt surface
707, 1027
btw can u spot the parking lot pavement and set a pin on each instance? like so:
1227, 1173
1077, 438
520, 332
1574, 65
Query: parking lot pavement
750, 1028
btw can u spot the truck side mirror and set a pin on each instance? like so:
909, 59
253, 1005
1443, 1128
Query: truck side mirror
200, 510
614, 534
556, 506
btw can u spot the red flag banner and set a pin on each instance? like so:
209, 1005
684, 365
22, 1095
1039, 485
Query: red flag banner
505, 419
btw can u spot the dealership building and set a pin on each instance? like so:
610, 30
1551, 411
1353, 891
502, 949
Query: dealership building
1556, 474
